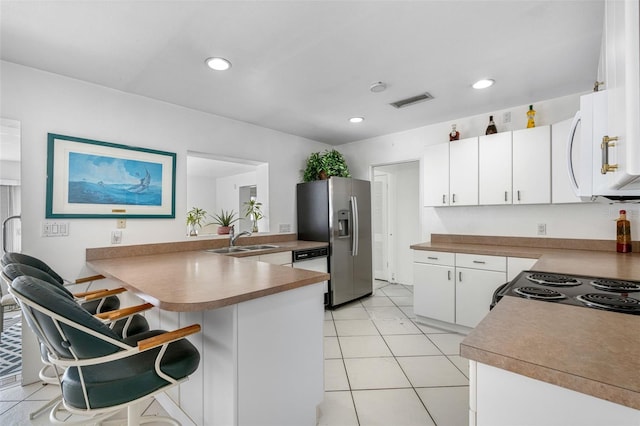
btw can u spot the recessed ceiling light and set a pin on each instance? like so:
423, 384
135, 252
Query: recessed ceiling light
356, 119
218, 64
483, 84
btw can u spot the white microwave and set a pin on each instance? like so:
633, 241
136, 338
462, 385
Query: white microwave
600, 164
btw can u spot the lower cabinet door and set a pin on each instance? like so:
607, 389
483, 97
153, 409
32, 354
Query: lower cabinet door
474, 291
434, 291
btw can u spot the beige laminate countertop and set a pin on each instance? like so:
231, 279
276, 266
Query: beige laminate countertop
195, 280
564, 261
587, 350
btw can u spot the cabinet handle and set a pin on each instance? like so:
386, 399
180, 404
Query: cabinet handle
432, 257
453, 198
449, 275
505, 196
518, 195
482, 262
460, 276
604, 146
444, 198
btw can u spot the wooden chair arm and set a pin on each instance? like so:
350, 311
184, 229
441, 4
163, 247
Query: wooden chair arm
99, 294
124, 312
87, 293
170, 336
89, 279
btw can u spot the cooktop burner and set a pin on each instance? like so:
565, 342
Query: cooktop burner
615, 285
539, 293
552, 279
588, 292
610, 302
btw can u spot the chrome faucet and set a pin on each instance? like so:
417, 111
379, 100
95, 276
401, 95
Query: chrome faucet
233, 237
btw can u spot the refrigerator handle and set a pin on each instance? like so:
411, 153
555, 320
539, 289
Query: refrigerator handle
354, 227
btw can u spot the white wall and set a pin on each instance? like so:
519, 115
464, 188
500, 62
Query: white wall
592, 221
45, 102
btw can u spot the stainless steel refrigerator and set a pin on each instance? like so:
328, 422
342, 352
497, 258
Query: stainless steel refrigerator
338, 211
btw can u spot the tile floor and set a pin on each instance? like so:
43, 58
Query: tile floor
381, 368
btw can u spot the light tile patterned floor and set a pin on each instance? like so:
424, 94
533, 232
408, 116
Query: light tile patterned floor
382, 368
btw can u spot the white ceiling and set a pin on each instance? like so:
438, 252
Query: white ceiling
305, 67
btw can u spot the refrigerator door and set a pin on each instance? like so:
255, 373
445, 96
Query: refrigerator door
362, 261
341, 241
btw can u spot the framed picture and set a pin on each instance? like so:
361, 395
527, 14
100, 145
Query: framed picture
94, 179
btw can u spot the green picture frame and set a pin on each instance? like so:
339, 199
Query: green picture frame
95, 179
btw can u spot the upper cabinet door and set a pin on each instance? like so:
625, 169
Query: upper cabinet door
463, 172
436, 175
561, 190
532, 166
494, 169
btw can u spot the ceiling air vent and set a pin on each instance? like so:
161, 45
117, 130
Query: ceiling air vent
412, 100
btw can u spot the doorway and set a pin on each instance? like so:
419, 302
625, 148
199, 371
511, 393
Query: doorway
396, 220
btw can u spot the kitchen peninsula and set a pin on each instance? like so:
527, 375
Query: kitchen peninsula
262, 327
580, 364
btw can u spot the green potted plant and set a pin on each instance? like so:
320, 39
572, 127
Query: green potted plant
253, 212
323, 165
224, 219
195, 216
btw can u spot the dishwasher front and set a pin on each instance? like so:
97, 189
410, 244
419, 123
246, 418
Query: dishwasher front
314, 259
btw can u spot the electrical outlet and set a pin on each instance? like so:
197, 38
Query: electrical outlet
506, 117
284, 228
121, 223
116, 237
542, 229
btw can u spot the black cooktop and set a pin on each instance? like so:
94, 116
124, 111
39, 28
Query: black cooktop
591, 292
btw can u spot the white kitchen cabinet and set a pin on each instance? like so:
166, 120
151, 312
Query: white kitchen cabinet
436, 175
477, 278
463, 172
494, 169
501, 398
561, 189
622, 81
434, 291
515, 265
531, 162
455, 289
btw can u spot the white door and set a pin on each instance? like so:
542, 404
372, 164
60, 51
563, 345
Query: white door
380, 232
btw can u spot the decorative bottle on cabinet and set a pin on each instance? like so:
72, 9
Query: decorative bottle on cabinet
531, 117
491, 128
623, 233
454, 135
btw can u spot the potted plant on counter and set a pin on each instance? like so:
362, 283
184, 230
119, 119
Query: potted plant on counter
323, 165
253, 212
224, 220
195, 216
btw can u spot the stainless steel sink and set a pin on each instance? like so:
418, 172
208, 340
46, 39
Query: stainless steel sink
237, 249
226, 250
259, 247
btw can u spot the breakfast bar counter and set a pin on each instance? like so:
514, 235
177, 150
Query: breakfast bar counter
201, 280
261, 342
